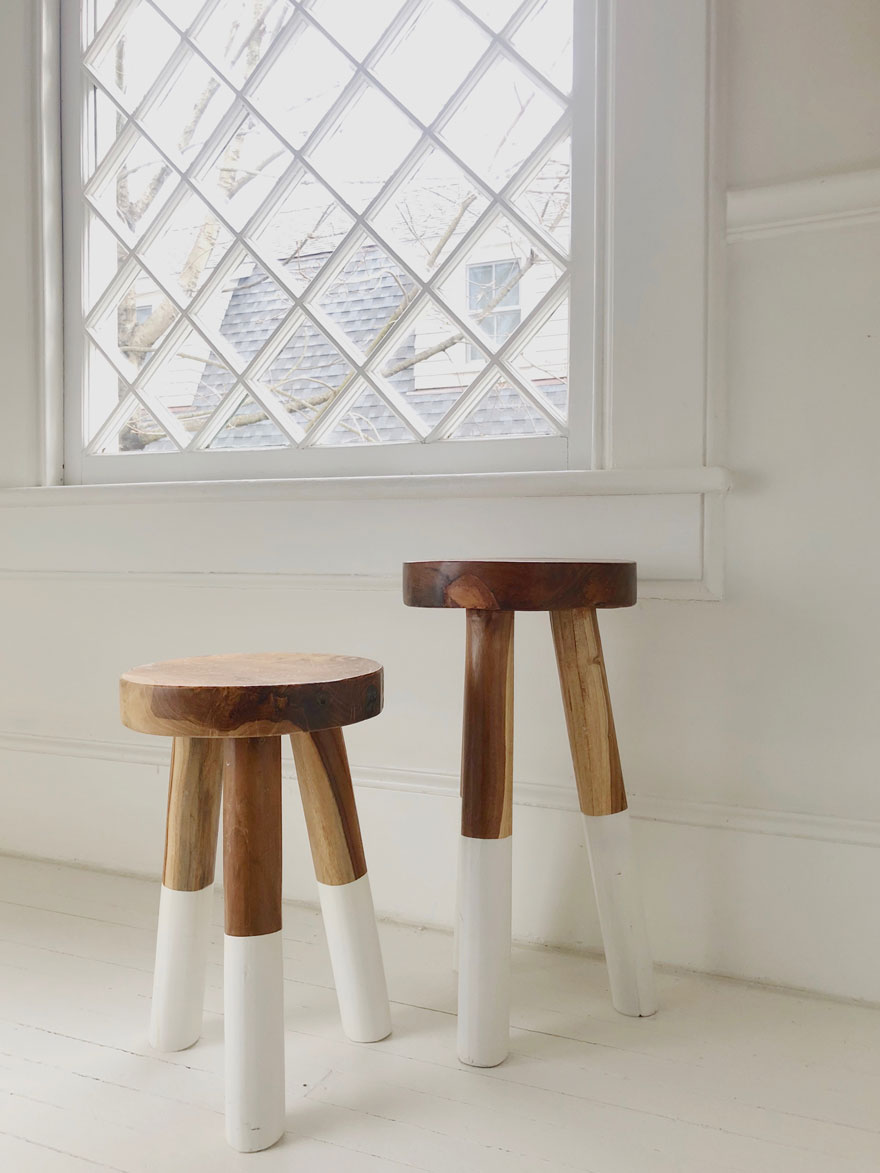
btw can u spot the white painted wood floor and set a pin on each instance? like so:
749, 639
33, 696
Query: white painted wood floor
726, 1077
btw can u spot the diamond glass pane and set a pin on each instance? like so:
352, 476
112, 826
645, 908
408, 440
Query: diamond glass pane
105, 122
430, 56
354, 158
306, 375
249, 427
543, 361
244, 310
139, 45
546, 198
302, 84
196, 89
496, 13
369, 420
429, 365
301, 232
106, 256
502, 273
140, 432
501, 122
107, 391
96, 14
134, 324
357, 26
544, 39
368, 296
238, 33
132, 189
189, 381
502, 413
430, 212
186, 250
244, 170
182, 12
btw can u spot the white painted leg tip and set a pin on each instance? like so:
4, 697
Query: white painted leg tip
356, 960
483, 1060
170, 1045
179, 974
253, 1141
642, 1008
373, 1032
643, 1012
484, 952
253, 999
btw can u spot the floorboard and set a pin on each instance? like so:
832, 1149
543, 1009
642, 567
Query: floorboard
726, 1077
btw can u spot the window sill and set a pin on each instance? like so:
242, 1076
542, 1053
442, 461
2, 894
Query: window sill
616, 482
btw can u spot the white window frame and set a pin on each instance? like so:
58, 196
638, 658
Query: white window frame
435, 454
649, 450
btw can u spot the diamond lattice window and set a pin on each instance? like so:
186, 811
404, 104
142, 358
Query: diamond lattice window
322, 225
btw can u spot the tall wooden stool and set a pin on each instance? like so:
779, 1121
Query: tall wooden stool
227, 715
490, 593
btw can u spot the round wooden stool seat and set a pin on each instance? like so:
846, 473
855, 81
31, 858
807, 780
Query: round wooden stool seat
239, 695
530, 584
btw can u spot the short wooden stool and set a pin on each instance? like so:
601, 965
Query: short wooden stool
227, 715
491, 592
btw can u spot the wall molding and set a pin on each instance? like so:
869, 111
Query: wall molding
239, 580
649, 808
826, 201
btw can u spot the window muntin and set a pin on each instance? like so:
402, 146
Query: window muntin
308, 290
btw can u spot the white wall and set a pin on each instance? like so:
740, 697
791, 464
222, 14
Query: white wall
747, 726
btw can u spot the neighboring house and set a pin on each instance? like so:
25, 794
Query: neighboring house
361, 301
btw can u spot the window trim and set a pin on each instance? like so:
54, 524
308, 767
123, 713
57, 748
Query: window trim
619, 467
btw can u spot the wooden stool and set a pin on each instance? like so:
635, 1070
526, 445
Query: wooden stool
491, 592
227, 715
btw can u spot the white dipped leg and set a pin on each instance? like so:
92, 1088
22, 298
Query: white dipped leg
621, 913
484, 908
253, 1003
179, 974
456, 924
353, 942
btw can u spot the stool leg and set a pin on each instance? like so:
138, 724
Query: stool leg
485, 844
602, 800
253, 970
187, 892
343, 884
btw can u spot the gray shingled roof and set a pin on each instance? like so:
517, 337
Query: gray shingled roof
360, 301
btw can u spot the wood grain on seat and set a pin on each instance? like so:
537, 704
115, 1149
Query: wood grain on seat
260, 695
539, 584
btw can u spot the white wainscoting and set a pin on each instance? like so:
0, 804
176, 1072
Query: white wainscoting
719, 879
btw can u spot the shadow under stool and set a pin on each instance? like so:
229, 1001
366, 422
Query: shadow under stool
227, 715
491, 592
